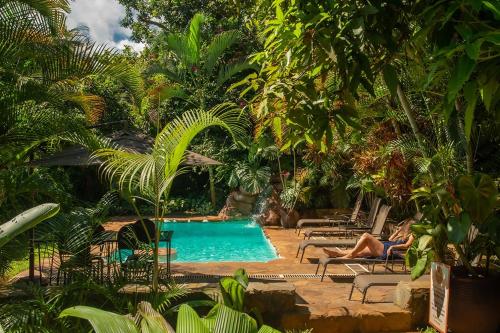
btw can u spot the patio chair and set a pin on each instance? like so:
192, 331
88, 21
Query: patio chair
333, 221
376, 231
80, 256
363, 282
345, 229
134, 266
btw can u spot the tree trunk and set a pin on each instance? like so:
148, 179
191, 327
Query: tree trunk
212, 186
466, 142
413, 122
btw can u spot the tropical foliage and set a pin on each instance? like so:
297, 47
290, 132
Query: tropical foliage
308, 102
151, 174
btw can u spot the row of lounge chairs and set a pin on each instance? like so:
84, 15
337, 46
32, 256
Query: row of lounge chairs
344, 231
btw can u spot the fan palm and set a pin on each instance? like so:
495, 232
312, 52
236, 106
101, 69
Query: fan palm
194, 71
152, 173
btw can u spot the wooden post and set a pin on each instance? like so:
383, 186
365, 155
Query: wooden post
32, 255
212, 186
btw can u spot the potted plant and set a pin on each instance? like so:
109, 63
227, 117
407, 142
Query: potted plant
288, 199
462, 218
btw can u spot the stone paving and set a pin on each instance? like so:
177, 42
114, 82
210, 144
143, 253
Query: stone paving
323, 306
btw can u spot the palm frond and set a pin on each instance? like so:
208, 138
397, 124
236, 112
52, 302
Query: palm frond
229, 71
177, 43
217, 47
193, 37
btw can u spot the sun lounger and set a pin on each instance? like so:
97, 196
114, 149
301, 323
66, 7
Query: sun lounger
376, 230
334, 220
346, 230
363, 282
340, 242
325, 261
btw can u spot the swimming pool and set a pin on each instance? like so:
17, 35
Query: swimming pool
232, 240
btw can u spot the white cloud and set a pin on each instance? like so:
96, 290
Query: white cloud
102, 17
137, 47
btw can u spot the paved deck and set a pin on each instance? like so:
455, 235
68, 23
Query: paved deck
323, 306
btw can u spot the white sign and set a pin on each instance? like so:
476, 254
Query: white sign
440, 296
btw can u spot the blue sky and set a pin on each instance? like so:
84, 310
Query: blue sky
102, 18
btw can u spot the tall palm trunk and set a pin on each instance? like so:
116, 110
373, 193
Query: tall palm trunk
469, 158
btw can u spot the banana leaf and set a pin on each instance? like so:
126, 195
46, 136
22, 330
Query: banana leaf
26, 220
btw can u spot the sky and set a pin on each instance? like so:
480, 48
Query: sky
102, 18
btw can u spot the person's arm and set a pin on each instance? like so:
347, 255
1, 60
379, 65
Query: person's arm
395, 234
401, 246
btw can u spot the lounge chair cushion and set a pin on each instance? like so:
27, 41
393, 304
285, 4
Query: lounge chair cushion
328, 242
335, 230
365, 281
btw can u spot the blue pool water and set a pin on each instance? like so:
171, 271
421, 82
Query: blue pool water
232, 240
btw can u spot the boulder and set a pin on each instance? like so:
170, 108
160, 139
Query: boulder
272, 299
413, 296
271, 217
244, 197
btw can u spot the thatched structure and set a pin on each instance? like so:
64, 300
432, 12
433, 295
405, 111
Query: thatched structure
138, 142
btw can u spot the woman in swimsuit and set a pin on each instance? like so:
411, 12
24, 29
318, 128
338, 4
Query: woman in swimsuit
369, 246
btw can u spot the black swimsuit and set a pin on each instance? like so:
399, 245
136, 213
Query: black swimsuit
387, 245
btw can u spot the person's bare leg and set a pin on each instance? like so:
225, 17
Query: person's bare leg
367, 246
335, 252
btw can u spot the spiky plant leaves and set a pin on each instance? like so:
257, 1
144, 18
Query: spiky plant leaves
196, 67
228, 72
194, 37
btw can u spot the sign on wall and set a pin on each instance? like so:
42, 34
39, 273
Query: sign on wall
440, 296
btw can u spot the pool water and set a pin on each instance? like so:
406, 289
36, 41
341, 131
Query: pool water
232, 240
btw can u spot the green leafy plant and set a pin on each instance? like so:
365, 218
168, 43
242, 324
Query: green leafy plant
191, 70
464, 216
253, 174
25, 221
145, 320
151, 174
220, 319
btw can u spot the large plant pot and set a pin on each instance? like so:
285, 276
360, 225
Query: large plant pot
474, 304
289, 219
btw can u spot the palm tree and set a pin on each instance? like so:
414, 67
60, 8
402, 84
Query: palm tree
194, 71
151, 174
43, 70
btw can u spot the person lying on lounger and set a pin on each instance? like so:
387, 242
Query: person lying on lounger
370, 246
